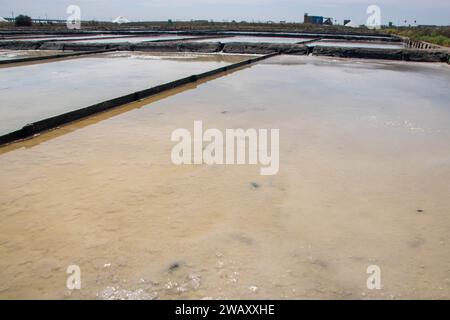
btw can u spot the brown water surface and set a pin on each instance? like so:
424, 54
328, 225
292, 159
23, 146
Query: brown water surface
364, 180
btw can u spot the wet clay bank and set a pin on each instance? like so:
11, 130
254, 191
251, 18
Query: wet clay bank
366, 51
347, 46
364, 180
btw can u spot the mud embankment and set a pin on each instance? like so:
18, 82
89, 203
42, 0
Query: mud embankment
387, 54
407, 54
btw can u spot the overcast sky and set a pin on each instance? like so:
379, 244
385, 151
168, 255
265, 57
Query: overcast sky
425, 12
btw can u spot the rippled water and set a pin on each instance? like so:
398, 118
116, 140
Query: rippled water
364, 180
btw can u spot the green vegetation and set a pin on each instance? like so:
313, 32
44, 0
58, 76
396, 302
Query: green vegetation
437, 39
435, 35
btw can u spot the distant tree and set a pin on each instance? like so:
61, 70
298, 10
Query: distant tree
23, 21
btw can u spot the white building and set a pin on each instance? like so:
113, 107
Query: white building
120, 20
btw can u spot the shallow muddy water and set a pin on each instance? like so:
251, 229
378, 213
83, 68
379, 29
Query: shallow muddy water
35, 92
364, 180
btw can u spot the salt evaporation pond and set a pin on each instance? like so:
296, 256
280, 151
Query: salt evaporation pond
255, 39
35, 92
364, 180
19, 54
136, 39
87, 38
353, 44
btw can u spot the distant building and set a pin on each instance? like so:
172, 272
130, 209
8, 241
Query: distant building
317, 20
346, 21
313, 19
120, 20
328, 21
